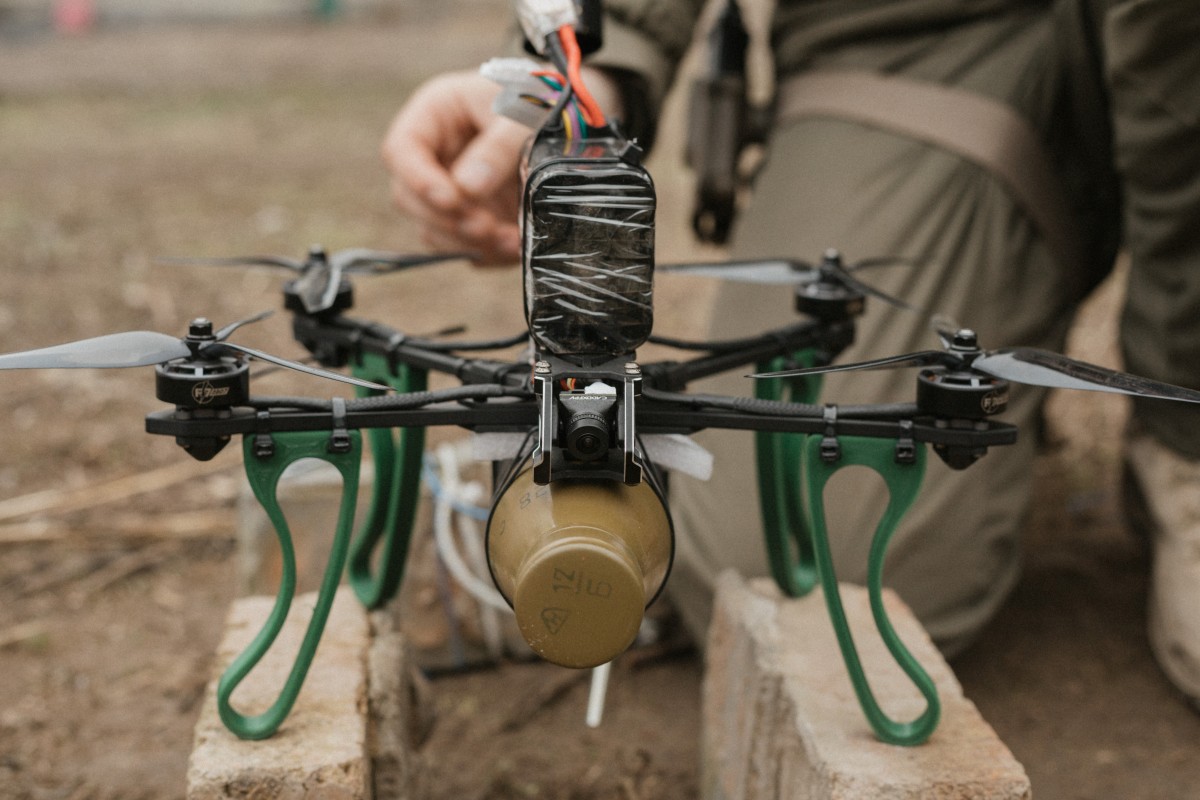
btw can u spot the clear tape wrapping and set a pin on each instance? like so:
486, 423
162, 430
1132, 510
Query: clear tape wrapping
589, 255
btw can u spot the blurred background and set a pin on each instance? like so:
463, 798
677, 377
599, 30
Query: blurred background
135, 129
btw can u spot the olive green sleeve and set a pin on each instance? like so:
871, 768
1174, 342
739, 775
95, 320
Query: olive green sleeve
1153, 61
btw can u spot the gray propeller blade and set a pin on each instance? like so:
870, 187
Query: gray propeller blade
925, 358
298, 367
228, 330
318, 285
867, 289
1025, 365
363, 261
787, 272
945, 327
321, 273
881, 261
776, 272
237, 261
148, 348
1043, 368
132, 349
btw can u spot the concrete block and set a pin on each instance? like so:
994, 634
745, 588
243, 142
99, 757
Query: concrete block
780, 718
339, 738
401, 711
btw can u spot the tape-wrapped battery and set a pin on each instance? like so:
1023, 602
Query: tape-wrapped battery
588, 248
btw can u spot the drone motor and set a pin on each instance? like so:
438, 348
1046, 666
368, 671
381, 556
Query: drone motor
830, 298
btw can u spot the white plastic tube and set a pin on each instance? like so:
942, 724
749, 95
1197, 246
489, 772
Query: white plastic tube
597, 693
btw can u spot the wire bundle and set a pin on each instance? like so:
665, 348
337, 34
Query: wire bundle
541, 97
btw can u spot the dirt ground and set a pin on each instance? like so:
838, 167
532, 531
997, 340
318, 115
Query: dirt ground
136, 143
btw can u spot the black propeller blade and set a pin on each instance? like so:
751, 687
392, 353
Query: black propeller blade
791, 272
320, 273
1026, 365
146, 348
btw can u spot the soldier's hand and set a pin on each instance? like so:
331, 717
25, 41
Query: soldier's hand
453, 165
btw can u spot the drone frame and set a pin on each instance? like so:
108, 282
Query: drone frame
800, 445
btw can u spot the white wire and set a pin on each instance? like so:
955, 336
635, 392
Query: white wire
444, 540
472, 542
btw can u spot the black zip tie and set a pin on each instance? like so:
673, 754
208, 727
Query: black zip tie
264, 445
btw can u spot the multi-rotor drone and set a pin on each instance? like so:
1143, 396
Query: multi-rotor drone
579, 538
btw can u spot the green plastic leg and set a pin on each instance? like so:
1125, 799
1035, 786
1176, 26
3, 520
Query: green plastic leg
264, 474
394, 494
789, 548
903, 482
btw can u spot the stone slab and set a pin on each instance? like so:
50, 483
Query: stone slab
324, 749
781, 720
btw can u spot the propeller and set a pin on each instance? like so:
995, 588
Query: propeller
320, 273
146, 348
1027, 365
790, 272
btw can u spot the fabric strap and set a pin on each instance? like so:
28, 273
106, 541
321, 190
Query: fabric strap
981, 130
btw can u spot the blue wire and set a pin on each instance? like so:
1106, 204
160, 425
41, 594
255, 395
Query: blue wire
429, 476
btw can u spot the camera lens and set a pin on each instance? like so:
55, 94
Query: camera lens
587, 435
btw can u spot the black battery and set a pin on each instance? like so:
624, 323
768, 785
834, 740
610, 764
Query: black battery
588, 248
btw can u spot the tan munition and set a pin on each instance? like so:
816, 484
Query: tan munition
579, 561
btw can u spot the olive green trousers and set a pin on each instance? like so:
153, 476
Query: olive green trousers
977, 258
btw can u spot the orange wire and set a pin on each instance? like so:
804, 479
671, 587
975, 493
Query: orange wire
587, 104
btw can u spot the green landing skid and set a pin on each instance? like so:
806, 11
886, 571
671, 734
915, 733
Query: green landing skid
789, 545
792, 476
264, 472
903, 482
376, 555
380, 548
